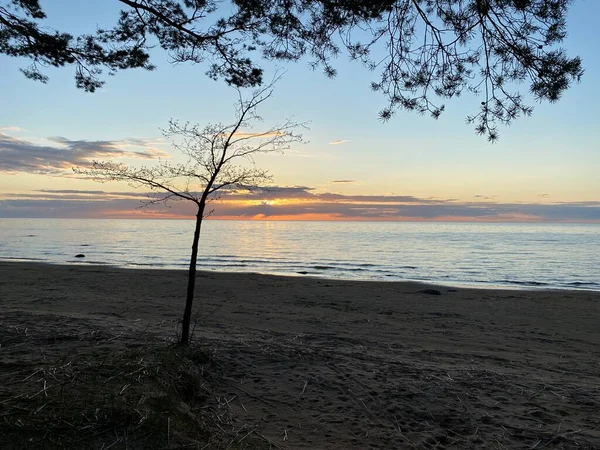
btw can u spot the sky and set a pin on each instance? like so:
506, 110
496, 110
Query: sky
544, 168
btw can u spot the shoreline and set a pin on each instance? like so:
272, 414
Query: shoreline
516, 286
310, 363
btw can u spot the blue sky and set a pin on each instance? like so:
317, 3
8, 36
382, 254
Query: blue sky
551, 158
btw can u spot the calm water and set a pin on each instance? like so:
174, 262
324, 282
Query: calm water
525, 255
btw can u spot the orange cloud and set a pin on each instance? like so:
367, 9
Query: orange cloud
293, 203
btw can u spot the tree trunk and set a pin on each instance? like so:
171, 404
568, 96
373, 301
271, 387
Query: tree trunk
187, 313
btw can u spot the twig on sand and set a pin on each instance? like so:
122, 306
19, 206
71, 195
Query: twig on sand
10, 399
113, 338
113, 444
535, 394
304, 388
239, 441
229, 401
34, 373
255, 396
44, 390
268, 440
561, 435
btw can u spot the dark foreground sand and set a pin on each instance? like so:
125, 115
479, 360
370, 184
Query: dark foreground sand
317, 364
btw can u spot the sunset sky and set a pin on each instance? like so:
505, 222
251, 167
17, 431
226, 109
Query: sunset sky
353, 167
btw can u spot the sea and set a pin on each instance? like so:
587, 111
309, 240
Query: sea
517, 255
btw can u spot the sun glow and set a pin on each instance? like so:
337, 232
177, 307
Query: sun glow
266, 202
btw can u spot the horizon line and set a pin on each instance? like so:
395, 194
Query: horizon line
346, 220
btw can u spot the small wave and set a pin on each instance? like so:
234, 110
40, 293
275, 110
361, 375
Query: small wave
525, 283
346, 264
217, 260
324, 267
95, 263
260, 261
146, 264
223, 265
582, 283
20, 258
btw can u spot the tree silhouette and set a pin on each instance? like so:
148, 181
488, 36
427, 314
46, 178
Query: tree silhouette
214, 154
425, 51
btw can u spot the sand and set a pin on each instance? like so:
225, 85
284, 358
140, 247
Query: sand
307, 363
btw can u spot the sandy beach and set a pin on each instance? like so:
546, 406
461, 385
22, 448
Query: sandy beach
305, 363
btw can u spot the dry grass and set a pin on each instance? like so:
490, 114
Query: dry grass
124, 396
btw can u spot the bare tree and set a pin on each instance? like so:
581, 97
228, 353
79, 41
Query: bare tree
219, 159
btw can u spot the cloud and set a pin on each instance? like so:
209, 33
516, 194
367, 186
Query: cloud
339, 142
274, 192
425, 212
70, 191
10, 128
305, 193
78, 195
267, 134
61, 154
543, 195
344, 181
72, 203
293, 202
